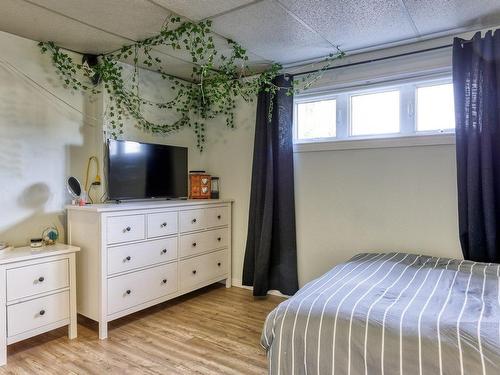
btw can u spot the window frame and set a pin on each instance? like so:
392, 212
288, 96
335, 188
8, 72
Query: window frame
303, 99
408, 134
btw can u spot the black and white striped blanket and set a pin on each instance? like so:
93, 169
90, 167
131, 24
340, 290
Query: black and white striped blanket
390, 314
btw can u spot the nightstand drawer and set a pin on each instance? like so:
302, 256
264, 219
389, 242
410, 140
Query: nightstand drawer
37, 278
162, 224
128, 257
125, 228
36, 313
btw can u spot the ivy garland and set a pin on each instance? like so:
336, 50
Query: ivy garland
216, 79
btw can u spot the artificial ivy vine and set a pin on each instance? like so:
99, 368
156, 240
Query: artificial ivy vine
216, 79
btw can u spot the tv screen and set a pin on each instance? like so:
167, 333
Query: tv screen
142, 170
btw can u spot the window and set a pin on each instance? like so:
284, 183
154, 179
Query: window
317, 119
375, 113
411, 109
435, 108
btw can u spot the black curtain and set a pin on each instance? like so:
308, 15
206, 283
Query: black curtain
271, 252
476, 80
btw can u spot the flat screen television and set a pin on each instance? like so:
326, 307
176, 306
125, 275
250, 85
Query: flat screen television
143, 170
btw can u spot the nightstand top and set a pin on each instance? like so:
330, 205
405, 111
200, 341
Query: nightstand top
19, 254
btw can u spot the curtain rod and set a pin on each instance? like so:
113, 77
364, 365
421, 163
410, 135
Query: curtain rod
375, 60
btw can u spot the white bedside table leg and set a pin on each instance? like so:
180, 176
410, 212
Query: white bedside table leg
3, 319
72, 330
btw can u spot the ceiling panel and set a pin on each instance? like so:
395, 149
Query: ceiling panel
268, 30
434, 16
199, 9
170, 65
355, 24
30, 21
134, 19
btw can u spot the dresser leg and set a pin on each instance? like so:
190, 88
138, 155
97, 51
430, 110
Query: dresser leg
72, 329
3, 355
228, 283
103, 330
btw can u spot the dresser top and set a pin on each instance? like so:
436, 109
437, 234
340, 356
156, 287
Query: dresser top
144, 205
19, 254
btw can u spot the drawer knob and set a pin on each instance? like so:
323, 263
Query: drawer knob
164, 251
163, 225
193, 221
128, 258
42, 312
41, 279
219, 264
128, 291
194, 244
219, 217
219, 239
164, 281
128, 229
194, 272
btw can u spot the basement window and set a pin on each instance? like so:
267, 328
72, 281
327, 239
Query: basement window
409, 113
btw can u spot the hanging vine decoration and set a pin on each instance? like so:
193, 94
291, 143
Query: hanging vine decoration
216, 79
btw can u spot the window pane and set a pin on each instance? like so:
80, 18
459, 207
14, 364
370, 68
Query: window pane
435, 108
316, 119
375, 113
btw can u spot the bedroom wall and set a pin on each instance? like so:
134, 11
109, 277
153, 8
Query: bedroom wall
350, 201
47, 133
42, 140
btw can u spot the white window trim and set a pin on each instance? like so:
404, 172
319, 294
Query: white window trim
408, 135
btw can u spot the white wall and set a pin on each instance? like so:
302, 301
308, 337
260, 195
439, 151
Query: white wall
42, 140
154, 88
47, 133
390, 199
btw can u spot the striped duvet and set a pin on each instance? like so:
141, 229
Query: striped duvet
389, 314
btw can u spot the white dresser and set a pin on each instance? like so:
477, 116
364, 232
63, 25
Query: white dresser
135, 255
39, 293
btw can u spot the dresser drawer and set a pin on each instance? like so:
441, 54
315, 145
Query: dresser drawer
216, 217
191, 220
37, 278
129, 257
162, 224
200, 269
192, 244
125, 228
217, 238
36, 313
130, 290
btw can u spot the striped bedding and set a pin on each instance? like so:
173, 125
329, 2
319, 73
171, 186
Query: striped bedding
392, 313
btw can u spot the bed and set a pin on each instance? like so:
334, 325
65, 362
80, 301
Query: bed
390, 313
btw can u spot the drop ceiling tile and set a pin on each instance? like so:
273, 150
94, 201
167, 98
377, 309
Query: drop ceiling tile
434, 16
199, 9
170, 65
133, 19
353, 24
269, 31
30, 21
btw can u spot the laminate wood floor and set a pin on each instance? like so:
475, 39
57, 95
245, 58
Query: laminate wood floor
211, 331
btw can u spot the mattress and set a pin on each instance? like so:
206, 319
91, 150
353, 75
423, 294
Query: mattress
390, 313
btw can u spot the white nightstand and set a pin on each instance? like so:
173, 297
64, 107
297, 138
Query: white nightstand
39, 293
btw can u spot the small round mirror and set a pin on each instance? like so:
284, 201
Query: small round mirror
74, 187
